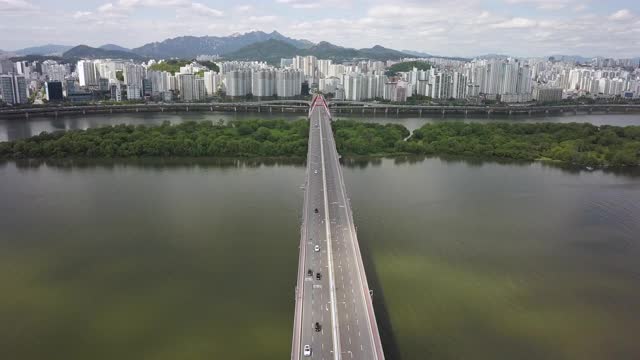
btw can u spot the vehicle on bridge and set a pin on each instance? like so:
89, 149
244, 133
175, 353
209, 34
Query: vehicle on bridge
307, 350
309, 272
318, 276
316, 248
315, 210
317, 327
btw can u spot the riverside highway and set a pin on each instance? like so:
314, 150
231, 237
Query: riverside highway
338, 299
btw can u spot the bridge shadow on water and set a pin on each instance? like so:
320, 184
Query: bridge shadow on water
387, 335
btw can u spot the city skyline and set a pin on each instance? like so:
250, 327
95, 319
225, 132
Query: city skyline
524, 28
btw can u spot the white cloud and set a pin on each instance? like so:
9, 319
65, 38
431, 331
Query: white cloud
244, 8
543, 4
623, 14
81, 14
16, 6
515, 23
205, 10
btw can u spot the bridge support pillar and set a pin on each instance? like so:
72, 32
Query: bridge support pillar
56, 114
608, 109
510, 112
235, 109
26, 115
258, 108
546, 111
529, 112
374, 111
84, 112
246, 109
111, 111
420, 112
386, 111
444, 111
397, 111
211, 108
466, 112
590, 110
270, 109
137, 110
161, 109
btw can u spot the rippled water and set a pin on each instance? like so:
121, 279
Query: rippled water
187, 259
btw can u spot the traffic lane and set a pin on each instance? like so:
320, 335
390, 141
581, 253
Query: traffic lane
351, 287
320, 340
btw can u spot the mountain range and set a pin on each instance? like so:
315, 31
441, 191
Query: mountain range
255, 45
191, 46
273, 50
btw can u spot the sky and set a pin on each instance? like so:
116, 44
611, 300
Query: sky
441, 27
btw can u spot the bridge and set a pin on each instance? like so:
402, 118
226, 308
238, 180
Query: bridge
274, 106
334, 316
382, 109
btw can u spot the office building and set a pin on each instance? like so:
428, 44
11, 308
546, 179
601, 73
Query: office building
54, 90
13, 89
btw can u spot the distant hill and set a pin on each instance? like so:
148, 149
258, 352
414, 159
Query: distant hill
114, 47
417, 53
273, 50
186, 47
87, 52
48, 49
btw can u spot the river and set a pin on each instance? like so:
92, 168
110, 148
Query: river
192, 259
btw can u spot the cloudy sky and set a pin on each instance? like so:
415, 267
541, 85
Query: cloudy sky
444, 27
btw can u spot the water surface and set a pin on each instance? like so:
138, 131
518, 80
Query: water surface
186, 259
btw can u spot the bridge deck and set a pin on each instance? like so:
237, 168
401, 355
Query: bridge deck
340, 300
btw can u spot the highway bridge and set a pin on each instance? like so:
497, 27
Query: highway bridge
275, 106
334, 316
382, 109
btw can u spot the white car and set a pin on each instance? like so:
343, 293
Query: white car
307, 350
315, 171
316, 248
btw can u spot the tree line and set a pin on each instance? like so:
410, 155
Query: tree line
248, 138
577, 143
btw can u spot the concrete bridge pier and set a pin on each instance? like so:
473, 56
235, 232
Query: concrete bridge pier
84, 112
270, 109
26, 115
397, 111
510, 112
529, 112
56, 114
386, 111
258, 108
608, 109
374, 111
443, 112
420, 112
161, 109
363, 111
590, 110
111, 111
137, 109
187, 109
246, 109
235, 109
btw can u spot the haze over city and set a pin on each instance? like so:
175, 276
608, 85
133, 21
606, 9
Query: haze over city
452, 28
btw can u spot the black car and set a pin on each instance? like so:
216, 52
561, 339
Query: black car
317, 326
318, 276
315, 210
309, 272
